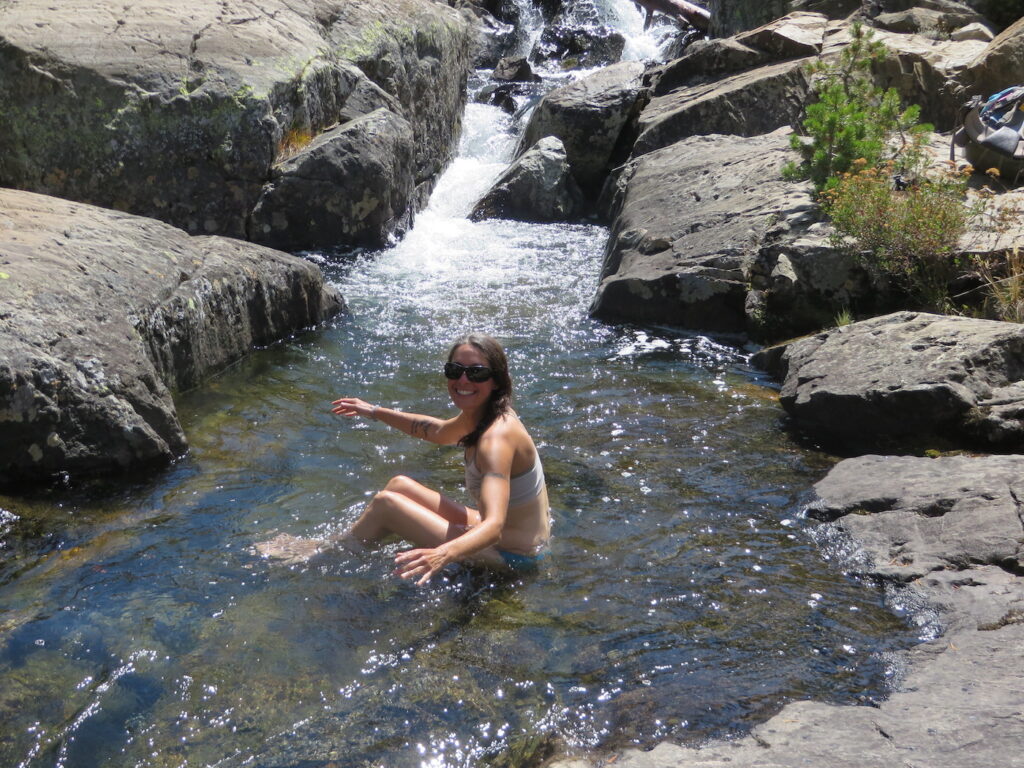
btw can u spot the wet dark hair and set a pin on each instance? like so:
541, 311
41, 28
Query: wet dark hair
501, 397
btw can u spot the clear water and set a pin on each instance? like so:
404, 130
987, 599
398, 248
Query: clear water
684, 597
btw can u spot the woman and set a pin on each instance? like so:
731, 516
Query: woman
509, 525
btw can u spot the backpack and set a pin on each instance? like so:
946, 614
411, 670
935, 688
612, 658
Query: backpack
993, 131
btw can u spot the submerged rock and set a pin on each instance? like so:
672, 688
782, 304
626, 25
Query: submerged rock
538, 186
907, 378
105, 314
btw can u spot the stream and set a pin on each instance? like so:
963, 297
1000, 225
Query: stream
685, 597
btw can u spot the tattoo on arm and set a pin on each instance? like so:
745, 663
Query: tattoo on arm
496, 474
420, 428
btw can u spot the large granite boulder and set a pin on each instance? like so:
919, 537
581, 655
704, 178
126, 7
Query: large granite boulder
749, 103
687, 223
929, 73
538, 186
181, 114
908, 379
912, 516
1001, 63
353, 184
105, 314
589, 116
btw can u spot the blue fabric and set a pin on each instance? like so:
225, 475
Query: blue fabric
518, 562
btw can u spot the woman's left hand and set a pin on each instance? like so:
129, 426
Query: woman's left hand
421, 562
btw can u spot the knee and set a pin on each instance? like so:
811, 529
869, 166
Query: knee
383, 500
399, 484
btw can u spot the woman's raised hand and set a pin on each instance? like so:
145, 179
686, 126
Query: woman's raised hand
352, 406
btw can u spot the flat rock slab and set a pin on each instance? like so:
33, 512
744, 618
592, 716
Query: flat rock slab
745, 104
103, 314
908, 378
916, 515
687, 222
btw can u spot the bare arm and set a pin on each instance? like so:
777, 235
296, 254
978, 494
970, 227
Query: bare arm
494, 457
429, 428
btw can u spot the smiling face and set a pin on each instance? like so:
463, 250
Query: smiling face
466, 394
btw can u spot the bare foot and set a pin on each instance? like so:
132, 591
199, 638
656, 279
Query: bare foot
288, 549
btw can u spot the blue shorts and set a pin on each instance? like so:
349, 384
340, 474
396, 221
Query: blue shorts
518, 562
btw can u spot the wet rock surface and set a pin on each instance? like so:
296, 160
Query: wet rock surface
538, 186
104, 314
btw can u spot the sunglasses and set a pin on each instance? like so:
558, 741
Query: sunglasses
475, 373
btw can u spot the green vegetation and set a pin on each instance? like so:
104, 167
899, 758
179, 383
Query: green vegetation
865, 155
853, 119
908, 233
1004, 281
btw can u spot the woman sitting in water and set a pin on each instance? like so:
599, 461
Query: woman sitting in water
510, 524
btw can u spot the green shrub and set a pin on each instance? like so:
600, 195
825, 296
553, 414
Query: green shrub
910, 235
852, 118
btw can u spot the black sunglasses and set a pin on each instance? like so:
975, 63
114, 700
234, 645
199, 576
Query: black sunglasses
475, 373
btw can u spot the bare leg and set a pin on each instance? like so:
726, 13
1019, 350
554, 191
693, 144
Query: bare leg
417, 514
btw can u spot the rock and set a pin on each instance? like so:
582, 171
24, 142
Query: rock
589, 116
1000, 64
703, 61
538, 186
501, 96
687, 221
181, 116
975, 31
515, 70
495, 40
352, 184
913, 379
578, 47
105, 314
738, 105
913, 516
928, 73
800, 282
937, 21
793, 36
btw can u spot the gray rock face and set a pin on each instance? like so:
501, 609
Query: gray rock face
353, 184
1001, 63
588, 116
180, 115
537, 187
687, 222
793, 36
914, 515
910, 378
705, 60
745, 104
104, 314
928, 73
